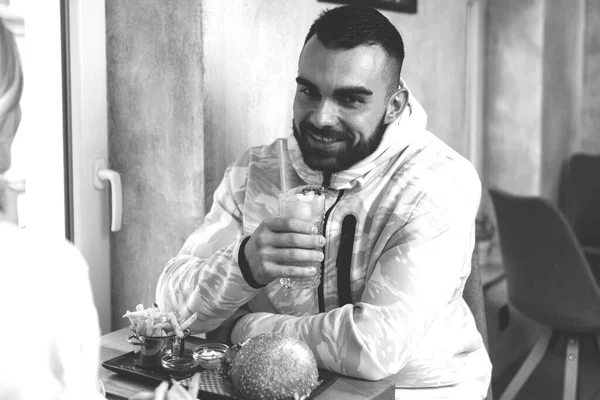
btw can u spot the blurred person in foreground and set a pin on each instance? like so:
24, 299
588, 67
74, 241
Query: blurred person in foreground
51, 335
399, 228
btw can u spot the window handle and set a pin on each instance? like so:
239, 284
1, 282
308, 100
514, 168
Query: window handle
101, 174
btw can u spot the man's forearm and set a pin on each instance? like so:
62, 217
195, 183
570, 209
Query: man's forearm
214, 288
223, 333
333, 337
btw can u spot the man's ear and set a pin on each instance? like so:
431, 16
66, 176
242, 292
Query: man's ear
396, 105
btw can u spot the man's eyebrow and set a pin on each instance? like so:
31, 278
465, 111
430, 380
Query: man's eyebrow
341, 91
305, 82
360, 90
344, 90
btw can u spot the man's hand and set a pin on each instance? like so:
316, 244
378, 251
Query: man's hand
280, 246
223, 333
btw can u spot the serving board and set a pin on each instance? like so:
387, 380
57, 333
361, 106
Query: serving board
212, 386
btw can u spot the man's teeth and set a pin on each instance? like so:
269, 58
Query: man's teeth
323, 139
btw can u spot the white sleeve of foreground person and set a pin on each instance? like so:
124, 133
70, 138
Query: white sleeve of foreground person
50, 334
414, 290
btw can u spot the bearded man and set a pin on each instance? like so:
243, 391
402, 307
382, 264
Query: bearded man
398, 228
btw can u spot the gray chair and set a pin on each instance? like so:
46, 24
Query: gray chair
550, 281
580, 203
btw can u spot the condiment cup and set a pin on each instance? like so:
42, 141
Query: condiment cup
209, 354
179, 367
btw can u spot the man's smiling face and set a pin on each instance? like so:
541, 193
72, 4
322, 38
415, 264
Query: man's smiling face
340, 104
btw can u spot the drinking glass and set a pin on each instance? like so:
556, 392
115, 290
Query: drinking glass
307, 203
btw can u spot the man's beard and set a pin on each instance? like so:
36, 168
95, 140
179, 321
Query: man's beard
330, 162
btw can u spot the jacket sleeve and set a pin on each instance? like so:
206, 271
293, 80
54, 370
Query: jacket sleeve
419, 274
205, 276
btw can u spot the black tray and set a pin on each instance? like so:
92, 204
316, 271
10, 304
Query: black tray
211, 384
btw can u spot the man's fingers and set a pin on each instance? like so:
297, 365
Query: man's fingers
297, 240
283, 247
291, 256
284, 271
286, 224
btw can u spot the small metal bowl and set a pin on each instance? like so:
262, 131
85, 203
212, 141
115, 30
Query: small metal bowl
179, 366
149, 350
209, 354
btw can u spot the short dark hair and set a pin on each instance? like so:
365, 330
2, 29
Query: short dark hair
350, 26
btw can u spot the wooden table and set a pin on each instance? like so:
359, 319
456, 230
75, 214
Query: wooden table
120, 387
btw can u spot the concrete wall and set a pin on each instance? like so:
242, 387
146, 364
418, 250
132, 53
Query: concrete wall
591, 87
543, 96
251, 53
513, 94
564, 30
155, 83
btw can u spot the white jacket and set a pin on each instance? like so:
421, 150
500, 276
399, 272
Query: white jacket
390, 303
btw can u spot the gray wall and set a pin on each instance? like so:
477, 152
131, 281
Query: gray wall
514, 94
543, 91
156, 138
562, 89
591, 81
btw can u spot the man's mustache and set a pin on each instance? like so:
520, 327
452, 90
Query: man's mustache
307, 127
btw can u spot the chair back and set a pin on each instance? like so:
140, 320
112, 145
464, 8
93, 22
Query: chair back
548, 277
473, 296
580, 193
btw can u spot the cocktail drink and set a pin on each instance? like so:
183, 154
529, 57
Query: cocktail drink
306, 203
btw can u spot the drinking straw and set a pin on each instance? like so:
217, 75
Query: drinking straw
281, 155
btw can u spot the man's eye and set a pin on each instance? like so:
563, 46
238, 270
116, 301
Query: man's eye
308, 92
352, 100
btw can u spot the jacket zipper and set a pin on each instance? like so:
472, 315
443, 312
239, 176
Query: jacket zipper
344, 260
321, 293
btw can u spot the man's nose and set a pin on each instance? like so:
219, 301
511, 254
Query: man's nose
325, 115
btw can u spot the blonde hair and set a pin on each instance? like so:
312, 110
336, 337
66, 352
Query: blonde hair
11, 73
